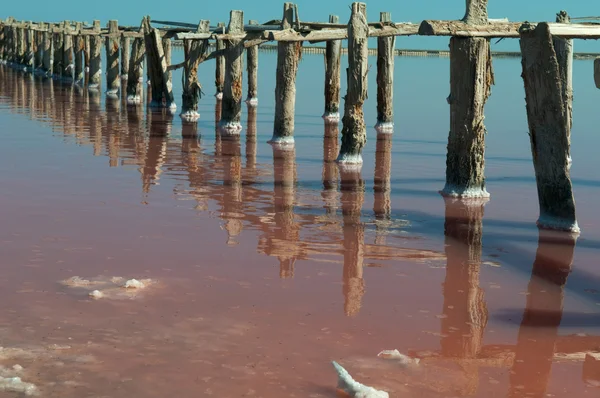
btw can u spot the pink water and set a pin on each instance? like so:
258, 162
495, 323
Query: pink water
270, 264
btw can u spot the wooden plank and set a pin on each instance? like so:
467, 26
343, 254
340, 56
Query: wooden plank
288, 58
385, 80
333, 53
549, 130
232, 91
354, 132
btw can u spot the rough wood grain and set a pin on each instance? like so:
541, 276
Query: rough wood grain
168, 51
549, 134
86, 53
354, 131
48, 44
95, 62
232, 91
113, 83
79, 51
564, 55
21, 46
158, 74
30, 48
220, 66
476, 12
288, 57
252, 69
58, 51
385, 80
67, 56
194, 50
333, 53
136, 72
125, 56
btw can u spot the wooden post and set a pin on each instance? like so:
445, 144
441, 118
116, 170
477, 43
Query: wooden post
67, 60
232, 91
87, 52
471, 78
30, 47
564, 56
21, 50
136, 72
193, 51
48, 43
220, 66
95, 74
2, 42
39, 49
333, 54
166, 42
113, 83
162, 91
58, 50
288, 57
125, 56
79, 50
385, 80
549, 128
252, 67
354, 131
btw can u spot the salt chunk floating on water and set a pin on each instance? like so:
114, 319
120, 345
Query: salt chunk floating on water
134, 284
396, 355
97, 294
353, 388
17, 368
15, 384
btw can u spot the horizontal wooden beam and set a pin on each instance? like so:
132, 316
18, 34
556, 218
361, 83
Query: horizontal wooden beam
505, 29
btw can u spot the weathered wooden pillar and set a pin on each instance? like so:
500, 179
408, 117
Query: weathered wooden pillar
549, 128
385, 79
2, 42
87, 52
30, 47
232, 91
79, 50
333, 54
67, 60
471, 78
21, 49
167, 48
113, 83
288, 57
564, 56
58, 49
48, 44
193, 51
252, 68
220, 65
162, 90
95, 73
125, 56
39, 48
354, 131
136, 72
14, 50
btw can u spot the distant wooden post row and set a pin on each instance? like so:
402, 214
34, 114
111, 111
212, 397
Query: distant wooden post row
68, 50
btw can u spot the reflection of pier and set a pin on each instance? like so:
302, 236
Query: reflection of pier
133, 135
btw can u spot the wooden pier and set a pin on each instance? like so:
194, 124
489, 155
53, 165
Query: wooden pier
71, 51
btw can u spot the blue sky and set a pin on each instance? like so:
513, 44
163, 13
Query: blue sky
130, 12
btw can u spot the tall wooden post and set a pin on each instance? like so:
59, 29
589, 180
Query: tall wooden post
113, 83
471, 78
354, 131
162, 90
95, 74
193, 50
252, 68
232, 91
67, 60
288, 57
549, 128
87, 52
3, 38
385, 79
39, 47
564, 56
136, 72
48, 44
21, 49
166, 42
30, 47
79, 50
220, 65
125, 56
58, 49
333, 54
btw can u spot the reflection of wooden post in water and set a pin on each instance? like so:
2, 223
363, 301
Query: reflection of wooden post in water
231, 211
159, 126
530, 373
382, 206
95, 121
352, 187
284, 195
330, 173
112, 129
190, 150
465, 311
251, 138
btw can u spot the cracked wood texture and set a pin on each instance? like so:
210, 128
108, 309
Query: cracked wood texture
564, 56
95, 73
288, 57
193, 50
385, 75
113, 84
162, 92
476, 12
252, 68
220, 64
354, 131
547, 116
232, 90
136, 69
333, 53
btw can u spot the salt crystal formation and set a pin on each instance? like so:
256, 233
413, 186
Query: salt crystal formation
97, 294
15, 384
397, 356
353, 388
134, 284
102, 287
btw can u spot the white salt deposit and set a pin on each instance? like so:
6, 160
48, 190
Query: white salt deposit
399, 357
112, 288
97, 294
15, 384
353, 388
134, 284
331, 117
17, 368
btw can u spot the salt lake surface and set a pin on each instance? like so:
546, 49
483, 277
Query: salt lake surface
269, 264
